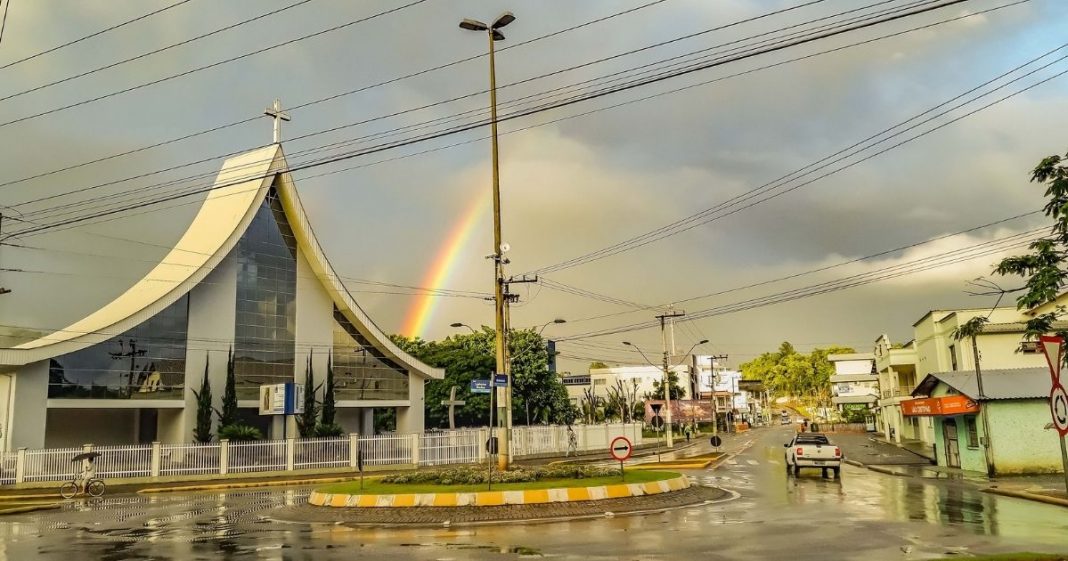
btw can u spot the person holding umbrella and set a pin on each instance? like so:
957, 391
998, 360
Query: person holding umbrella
83, 480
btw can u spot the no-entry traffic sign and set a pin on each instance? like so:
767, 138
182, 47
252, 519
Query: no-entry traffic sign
621, 448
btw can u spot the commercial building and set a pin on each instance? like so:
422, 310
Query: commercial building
854, 384
646, 378
1015, 404
249, 278
895, 366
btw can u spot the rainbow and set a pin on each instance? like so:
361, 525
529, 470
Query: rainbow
442, 268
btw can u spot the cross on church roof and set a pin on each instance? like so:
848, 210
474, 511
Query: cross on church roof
275, 112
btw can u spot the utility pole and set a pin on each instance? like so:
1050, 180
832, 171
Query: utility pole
506, 413
987, 452
132, 354
670, 441
712, 383
2, 289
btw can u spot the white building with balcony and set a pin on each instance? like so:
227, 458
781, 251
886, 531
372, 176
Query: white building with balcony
855, 383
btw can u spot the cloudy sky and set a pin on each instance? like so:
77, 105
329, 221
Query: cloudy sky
575, 179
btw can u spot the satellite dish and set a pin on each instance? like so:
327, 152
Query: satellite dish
505, 247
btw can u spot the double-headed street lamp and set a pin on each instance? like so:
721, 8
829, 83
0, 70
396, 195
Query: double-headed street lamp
668, 437
503, 405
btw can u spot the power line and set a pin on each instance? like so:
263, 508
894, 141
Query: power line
465, 96
942, 259
323, 99
700, 218
3, 23
545, 107
152, 52
91, 35
208, 66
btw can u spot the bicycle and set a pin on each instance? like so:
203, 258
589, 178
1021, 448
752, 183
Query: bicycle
94, 488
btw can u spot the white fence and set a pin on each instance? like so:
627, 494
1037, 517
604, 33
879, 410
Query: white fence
464, 446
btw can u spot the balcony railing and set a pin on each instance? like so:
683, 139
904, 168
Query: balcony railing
897, 392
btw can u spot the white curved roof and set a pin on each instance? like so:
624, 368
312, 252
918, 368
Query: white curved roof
229, 208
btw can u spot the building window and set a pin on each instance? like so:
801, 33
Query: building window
146, 362
362, 372
973, 432
600, 382
1030, 347
265, 330
953, 357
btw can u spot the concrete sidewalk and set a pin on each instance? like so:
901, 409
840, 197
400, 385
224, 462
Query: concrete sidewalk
862, 448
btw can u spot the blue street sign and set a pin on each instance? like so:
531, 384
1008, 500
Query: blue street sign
480, 386
500, 380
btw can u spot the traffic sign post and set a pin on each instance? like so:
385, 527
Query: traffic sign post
621, 449
716, 441
1053, 348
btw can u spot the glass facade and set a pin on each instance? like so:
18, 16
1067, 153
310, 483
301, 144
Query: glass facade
146, 362
362, 372
264, 334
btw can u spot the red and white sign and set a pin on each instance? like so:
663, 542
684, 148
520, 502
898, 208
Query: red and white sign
621, 448
1053, 348
1058, 406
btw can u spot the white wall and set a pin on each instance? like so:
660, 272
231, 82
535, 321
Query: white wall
212, 315
853, 366
29, 404
410, 419
314, 327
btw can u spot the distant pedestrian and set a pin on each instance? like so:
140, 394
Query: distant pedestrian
572, 442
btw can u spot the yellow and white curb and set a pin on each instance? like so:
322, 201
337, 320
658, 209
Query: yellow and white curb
500, 498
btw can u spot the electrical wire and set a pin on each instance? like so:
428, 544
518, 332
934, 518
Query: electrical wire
208, 66
152, 52
537, 109
323, 99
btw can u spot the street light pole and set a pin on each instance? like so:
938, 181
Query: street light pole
503, 394
667, 380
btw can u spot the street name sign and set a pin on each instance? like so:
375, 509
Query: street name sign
500, 380
480, 386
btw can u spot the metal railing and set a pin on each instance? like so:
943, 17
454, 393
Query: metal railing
463, 446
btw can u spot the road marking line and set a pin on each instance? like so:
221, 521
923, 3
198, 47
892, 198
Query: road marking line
753, 462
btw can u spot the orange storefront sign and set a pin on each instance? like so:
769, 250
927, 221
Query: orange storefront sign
939, 406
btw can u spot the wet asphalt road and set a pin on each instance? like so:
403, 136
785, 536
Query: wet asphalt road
866, 516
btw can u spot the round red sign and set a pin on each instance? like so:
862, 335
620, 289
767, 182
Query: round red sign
621, 448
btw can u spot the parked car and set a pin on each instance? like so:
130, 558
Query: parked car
812, 450
785, 418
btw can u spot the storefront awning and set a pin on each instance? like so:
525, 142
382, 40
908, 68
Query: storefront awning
939, 406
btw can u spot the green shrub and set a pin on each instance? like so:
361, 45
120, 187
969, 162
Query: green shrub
479, 475
239, 433
332, 430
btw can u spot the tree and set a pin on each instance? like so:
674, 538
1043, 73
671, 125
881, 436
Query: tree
329, 407
307, 420
677, 391
202, 430
228, 414
471, 356
1045, 268
597, 365
787, 372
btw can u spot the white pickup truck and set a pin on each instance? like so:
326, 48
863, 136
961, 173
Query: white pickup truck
812, 450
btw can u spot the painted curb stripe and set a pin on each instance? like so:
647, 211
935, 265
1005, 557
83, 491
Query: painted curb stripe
498, 498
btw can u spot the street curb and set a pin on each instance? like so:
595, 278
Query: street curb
730, 496
855, 463
646, 452
1026, 495
246, 485
880, 469
28, 508
671, 465
499, 498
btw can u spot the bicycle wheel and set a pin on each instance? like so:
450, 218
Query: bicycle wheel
95, 488
68, 490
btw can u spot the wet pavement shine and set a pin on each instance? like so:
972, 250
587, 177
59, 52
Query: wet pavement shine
865, 515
